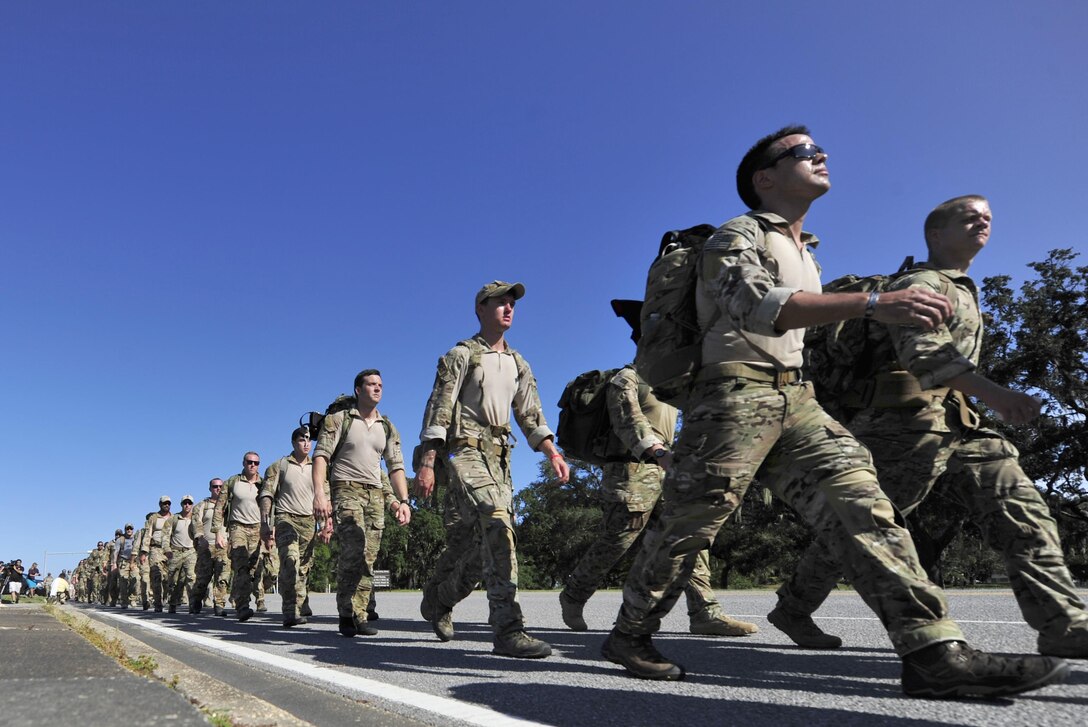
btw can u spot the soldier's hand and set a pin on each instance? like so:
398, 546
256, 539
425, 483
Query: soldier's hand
325, 534
913, 307
322, 507
220, 541
1014, 407
143, 558
424, 482
404, 513
562, 471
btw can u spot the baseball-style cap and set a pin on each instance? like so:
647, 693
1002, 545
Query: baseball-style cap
497, 287
128, 526
629, 310
187, 499
164, 499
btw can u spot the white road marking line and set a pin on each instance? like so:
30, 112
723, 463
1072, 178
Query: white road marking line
443, 706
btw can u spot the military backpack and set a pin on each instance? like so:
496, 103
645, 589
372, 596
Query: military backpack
842, 359
670, 348
585, 429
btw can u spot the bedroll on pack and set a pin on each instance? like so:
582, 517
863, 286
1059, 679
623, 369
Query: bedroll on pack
842, 358
670, 349
585, 430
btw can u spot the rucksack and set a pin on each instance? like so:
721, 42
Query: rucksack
313, 421
842, 358
585, 429
670, 349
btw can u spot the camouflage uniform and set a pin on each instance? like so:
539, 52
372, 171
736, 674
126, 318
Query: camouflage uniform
630, 492
294, 534
243, 539
266, 573
113, 580
917, 429
212, 562
479, 502
358, 512
154, 549
143, 569
743, 418
127, 562
181, 569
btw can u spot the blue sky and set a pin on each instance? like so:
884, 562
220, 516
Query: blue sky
213, 214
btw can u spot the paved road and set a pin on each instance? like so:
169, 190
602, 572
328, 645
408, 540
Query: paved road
730, 681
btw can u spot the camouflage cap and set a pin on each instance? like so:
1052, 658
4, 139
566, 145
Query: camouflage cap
497, 287
187, 499
164, 499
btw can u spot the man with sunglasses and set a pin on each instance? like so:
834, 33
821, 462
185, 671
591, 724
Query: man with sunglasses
212, 562
920, 425
237, 520
749, 412
152, 552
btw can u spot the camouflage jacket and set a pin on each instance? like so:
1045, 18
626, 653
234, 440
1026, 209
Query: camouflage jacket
445, 418
952, 348
640, 421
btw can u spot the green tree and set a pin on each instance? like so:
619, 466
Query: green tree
556, 523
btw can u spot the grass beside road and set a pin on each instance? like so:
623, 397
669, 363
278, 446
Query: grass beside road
144, 664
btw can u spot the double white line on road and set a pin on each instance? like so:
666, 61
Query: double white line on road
389, 693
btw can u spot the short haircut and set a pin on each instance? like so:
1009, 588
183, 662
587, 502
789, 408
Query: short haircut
249, 453
360, 378
212, 481
757, 158
945, 211
300, 433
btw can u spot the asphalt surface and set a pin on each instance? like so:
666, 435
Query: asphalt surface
408, 672
49, 674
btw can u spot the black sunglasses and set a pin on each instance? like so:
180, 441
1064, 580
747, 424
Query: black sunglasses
800, 151
249, 461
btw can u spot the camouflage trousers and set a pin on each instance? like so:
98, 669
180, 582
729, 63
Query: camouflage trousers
295, 543
144, 584
735, 428
129, 577
181, 573
156, 562
244, 542
113, 587
359, 513
480, 539
212, 568
266, 573
103, 585
911, 450
620, 527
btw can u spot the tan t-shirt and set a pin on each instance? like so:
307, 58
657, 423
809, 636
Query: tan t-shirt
359, 458
293, 487
179, 534
243, 504
726, 343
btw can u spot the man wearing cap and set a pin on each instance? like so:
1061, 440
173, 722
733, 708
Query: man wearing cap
152, 550
630, 494
238, 517
212, 562
287, 522
468, 416
126, 567
177, 536
351, 445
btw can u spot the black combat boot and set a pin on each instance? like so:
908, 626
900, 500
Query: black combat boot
953, 669
638, 656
